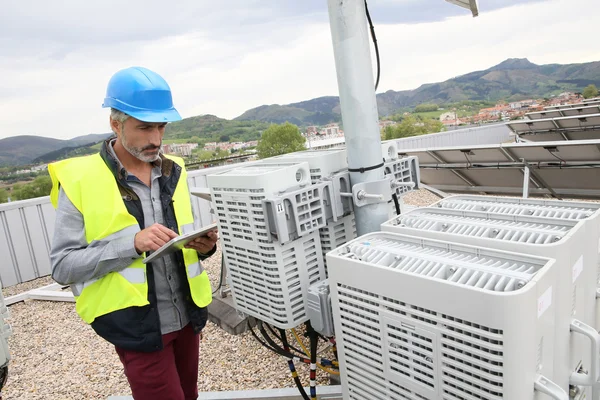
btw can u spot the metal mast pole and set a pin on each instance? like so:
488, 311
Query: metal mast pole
351, 47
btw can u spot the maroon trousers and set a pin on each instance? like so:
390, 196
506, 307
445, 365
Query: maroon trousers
168, 374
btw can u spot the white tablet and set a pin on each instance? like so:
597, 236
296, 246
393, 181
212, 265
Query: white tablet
179, 242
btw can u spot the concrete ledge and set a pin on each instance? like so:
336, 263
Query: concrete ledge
222, 313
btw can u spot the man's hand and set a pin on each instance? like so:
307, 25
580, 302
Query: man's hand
152, 238
204, 244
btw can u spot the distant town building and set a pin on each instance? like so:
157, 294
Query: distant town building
180, 149
312, 129
331, 130
228, 146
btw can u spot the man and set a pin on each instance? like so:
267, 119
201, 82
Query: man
112, 209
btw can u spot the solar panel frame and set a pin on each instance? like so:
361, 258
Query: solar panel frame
589, 102
578, 127
567, 112
560, 168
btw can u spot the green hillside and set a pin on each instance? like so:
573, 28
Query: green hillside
208, 128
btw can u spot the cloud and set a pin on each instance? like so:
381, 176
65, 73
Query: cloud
247, 53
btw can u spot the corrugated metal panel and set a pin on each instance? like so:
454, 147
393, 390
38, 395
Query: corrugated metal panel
488, 134
26, 229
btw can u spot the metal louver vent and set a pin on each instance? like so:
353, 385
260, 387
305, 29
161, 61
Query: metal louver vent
509, 208
424, 354
487, 272
511, 228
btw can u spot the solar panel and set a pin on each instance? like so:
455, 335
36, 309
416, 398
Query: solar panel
567, 112
578, 127
560, 169
588, 102
595, 99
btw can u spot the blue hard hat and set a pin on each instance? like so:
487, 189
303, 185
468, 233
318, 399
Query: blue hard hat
142, 94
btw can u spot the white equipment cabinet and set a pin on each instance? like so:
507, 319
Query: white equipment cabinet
577, 343
422, 319
331, 166
270, 266
567, 210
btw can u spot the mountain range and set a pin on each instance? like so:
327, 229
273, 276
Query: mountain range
23, 149
513, 79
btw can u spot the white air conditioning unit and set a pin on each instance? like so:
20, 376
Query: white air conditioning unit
422, 319
269, 279
562, 240
565, 210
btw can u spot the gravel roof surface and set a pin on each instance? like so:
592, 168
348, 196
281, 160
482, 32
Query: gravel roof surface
55, 355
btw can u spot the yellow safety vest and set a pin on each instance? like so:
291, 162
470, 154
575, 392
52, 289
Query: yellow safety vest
92, 188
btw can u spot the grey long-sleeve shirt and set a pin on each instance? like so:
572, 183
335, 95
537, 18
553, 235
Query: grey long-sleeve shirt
73, 260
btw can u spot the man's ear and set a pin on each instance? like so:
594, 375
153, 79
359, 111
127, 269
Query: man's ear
115, 126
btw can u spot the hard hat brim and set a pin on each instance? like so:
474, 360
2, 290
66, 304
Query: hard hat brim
156, 116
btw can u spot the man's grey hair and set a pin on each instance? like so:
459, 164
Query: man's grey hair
118, 116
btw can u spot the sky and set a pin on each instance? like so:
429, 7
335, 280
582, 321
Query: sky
225, 57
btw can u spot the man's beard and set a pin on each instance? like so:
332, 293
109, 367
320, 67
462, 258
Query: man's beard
138, 152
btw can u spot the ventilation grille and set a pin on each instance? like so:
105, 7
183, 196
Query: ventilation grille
513, 231
337, 233
240, 217
569, 213
315, 175
398, 351
268, 284
309, 210
402, 170
474, 269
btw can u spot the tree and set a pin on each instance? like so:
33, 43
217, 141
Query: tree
3, 195
590, 91
280, 139
41, 186
412, 126
426, 107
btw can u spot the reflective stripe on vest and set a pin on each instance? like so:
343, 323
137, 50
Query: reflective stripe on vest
77, 288
133, 275
90, 186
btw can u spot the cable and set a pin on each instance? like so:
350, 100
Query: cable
291, 365
314, 342
374, 44
221, 274
330, 371
274, 348
557, 157
396, 203
251, 329
283, 339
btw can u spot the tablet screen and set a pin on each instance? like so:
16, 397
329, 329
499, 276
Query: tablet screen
179, 242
